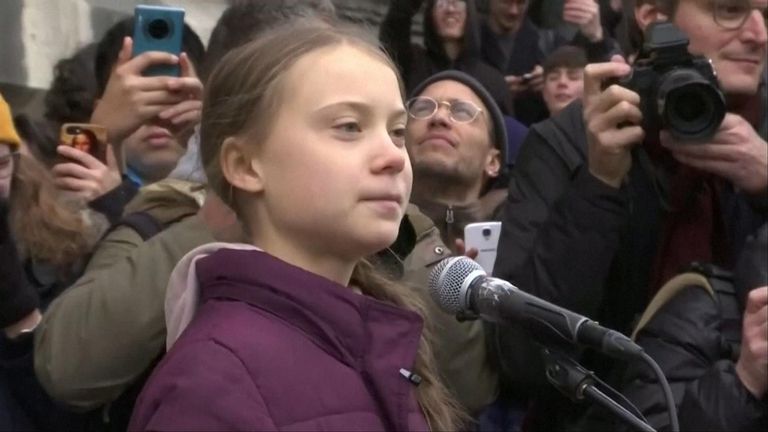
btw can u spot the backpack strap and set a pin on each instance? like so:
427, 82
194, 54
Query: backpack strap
146, 225
670, 290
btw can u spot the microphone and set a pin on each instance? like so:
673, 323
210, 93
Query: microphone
459, 284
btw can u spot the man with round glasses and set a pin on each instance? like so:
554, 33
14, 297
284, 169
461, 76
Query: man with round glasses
602, 211
456, 140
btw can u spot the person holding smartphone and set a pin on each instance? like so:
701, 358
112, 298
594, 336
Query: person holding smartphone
456, 138
43, 242
513, 44
148, 120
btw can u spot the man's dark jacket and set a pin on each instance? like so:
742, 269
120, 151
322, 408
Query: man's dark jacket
695, 339
570, 239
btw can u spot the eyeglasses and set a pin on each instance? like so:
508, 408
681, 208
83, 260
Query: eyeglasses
732, 14
456, 4
7, 162
424, 107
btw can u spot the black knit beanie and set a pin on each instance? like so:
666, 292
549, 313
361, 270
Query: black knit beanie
494, 113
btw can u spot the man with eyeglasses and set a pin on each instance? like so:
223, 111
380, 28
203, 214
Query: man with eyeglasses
601, 212
456, 140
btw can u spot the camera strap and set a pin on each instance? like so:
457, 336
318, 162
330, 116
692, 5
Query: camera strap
659, 178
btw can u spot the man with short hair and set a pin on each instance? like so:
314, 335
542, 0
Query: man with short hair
456, 140
563, 78
602, 211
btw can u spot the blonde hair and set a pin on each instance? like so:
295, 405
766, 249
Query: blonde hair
243, 95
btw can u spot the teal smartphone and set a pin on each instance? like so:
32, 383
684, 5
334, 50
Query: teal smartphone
158, 28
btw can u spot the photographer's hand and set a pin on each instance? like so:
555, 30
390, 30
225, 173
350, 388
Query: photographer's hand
87, 176
130, 99
610, 145
736, 153
752, 366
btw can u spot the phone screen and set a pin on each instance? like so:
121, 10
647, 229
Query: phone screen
89, 138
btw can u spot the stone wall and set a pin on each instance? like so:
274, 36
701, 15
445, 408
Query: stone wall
37, 33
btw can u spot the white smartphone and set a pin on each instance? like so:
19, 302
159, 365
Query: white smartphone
483, 236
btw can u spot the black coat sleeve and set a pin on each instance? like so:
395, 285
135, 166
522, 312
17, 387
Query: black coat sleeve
395, 32
560, 232
112, 203
561, 225
17, 298
685, 339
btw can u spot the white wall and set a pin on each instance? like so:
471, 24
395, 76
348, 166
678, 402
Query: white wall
44, 31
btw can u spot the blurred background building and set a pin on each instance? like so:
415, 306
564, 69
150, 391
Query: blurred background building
38, 33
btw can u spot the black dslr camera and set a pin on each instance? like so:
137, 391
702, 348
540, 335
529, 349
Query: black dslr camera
678, 91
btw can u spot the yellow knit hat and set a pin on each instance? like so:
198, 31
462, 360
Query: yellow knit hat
8, 133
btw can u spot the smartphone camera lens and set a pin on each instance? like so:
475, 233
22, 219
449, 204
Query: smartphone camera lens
159, 28
486, 232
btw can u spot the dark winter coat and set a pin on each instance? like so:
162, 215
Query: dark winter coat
417, 62
274, 347
573, 240
695, 339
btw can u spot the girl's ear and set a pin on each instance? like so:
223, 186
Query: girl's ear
240, 166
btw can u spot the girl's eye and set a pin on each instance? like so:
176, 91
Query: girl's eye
398, 136
348, 127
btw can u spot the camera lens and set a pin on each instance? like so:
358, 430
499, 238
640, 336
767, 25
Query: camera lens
486, 232
159, 28
691, 107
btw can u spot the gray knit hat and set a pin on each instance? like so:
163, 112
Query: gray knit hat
494, 113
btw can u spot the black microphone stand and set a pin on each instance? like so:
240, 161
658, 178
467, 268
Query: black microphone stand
577, 383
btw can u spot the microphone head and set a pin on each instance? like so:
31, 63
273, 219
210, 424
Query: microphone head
449, 280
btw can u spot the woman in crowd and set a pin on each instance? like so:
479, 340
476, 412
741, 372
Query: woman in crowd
43, 246
451, 41
295, 330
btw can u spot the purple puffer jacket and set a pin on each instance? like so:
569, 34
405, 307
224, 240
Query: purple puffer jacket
274, 347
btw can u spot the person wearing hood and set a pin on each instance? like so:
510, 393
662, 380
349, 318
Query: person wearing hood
451, 41
456, 141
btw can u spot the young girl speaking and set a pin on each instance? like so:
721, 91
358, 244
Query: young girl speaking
302, 135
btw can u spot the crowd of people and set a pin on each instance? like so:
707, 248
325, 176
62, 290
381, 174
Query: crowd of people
250, 247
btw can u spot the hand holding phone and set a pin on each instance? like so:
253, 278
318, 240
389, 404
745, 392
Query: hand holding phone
85, 137
87, 164
483, 236
158, 28
131, 100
